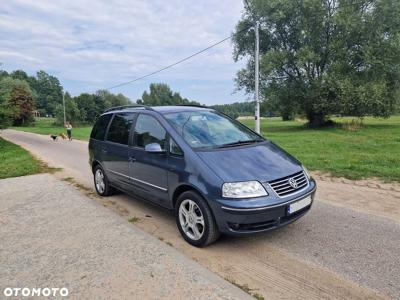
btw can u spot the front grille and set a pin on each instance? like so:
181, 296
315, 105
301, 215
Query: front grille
283, 187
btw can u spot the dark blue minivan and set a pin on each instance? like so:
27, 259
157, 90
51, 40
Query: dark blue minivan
217, 175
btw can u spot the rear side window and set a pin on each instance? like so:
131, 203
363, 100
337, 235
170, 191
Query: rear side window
100, 127
148, 130
120, 127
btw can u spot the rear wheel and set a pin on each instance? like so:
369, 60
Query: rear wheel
195, 220
101, 182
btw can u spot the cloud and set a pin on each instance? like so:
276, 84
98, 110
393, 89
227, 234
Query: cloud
95, 44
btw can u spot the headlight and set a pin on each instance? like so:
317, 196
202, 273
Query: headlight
306, 172
245, 189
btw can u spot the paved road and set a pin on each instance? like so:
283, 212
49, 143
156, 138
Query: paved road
75, 243
333, 252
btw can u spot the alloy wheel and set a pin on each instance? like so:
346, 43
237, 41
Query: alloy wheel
191, 219
99, 180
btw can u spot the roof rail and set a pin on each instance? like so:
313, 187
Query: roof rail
128, 106
194, 105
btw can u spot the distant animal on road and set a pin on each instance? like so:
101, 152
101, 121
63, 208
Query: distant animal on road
61, 135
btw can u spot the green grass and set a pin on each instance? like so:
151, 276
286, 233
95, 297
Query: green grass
372, 150
134, 220
16, 161
45, 126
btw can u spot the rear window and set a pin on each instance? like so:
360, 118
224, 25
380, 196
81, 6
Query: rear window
120, 127
100, 127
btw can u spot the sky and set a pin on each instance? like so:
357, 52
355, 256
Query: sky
93, 44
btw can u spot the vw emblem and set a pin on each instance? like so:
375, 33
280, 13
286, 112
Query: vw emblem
293, 183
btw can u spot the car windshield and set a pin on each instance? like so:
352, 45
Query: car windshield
208, 129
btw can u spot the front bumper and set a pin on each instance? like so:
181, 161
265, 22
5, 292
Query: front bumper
241, 220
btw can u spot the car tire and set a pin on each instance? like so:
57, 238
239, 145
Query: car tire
195, 220
101, 182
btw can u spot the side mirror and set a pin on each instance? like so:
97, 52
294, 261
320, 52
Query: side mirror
153, 148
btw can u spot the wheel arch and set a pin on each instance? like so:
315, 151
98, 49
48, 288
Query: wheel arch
179, 190
96, 163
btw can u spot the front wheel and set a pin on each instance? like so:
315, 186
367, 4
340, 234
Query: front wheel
101, 183
195, 220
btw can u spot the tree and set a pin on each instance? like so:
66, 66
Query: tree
321, 57
16, 102
87, 107
22, 102
19, 74
3, 74
106, 99
161, 94
49, 92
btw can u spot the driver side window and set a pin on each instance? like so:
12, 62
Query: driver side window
148, 130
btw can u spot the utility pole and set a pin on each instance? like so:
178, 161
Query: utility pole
65, 120
256, 75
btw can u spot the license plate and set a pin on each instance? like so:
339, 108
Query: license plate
299, 205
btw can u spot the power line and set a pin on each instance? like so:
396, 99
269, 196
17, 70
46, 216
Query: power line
177, 62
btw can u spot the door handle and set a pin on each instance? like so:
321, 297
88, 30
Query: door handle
104, 151
132, 159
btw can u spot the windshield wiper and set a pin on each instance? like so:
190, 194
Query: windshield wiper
239, 143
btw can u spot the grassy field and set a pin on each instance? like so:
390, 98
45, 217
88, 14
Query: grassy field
45, 126
373, 150
370, 150
16, 161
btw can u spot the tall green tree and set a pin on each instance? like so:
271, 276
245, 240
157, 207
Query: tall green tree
320, 57
87, 107
161, 94
49, 92
3, 74
107, 99
19, 74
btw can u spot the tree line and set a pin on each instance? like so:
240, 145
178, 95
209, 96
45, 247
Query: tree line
161, 94
22, 95
86, 108
237, 109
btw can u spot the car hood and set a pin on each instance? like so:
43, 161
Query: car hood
263, 162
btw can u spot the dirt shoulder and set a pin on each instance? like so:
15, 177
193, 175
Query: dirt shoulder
370, 196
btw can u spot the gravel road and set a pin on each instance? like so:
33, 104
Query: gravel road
53, 236
336, 251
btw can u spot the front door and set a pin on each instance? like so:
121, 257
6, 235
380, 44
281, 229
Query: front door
148, 171
115, 152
